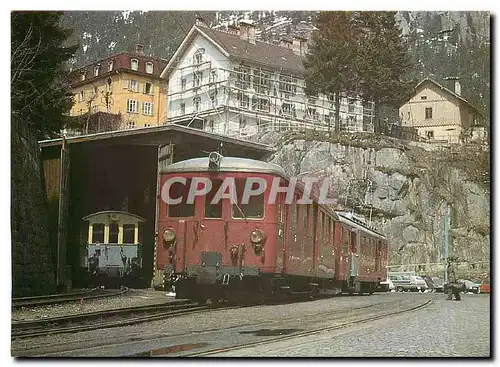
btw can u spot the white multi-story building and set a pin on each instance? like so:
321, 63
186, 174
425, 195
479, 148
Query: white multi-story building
230, 83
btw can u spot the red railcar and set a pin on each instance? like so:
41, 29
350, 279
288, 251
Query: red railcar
229, 250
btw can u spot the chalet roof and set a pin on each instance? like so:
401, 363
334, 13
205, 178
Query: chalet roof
121, 62
263, 53
448, 91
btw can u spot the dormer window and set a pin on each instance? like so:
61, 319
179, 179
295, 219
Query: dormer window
134, 64
110, 66
198, 56
96, 70
149, 67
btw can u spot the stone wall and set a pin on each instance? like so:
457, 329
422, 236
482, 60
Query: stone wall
32, 264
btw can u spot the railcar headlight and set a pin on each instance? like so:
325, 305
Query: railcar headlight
257, 236
169, 235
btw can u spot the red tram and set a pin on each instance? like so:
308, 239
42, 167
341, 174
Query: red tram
238, 250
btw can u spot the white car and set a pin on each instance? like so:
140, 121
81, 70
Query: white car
419, 282
387, 286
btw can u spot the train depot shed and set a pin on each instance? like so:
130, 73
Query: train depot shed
118, 170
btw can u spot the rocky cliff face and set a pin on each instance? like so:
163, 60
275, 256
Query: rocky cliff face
403, 186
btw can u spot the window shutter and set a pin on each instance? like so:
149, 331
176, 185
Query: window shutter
144, 88
128, 105
152, 109
126, 84
151, 91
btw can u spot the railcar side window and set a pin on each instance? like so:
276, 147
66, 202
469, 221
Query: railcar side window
113, 233
182, 209
346, 241
255, 206
98, 233
128, 233
213, 210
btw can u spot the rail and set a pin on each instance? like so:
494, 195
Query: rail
65, 297
102, 319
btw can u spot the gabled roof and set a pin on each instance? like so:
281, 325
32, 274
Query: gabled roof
263, 53
448, 91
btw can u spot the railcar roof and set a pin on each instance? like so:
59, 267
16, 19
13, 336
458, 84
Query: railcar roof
227, 164
141, 219
352, 221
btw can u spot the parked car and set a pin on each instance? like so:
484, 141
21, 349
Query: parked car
411, 283
485, 287
435, 284
385, 286
470, 286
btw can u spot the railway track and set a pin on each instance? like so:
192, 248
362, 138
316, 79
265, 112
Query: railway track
299, 334
102, 319
65, 297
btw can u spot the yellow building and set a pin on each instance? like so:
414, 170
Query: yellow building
438, 113
125, 84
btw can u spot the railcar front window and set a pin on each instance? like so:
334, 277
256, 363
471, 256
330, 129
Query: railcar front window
113, 233
98, 233
255, 206
182, 209
128, 233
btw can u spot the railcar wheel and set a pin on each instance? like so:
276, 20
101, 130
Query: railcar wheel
399, 289
202, 301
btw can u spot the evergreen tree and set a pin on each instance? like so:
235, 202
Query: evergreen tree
383, 65
329, 63
360, 54
39, 92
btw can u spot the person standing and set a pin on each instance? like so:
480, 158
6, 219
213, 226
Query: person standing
453, 288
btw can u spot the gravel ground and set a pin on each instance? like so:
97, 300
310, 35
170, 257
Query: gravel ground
217, 326
444, 329
133, 298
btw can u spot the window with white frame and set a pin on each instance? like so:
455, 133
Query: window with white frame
288, 84
149, 67
133, 85
183, 108
196, 103
288, 109
260, 104
351, 106
134, 64
197, 79
96, 70
198, 56
147, 108
183, 84
243, 122
148, 88
213, 76
242, 76
243, 100
132, 106
213, 97
261, 81
130, 124
110, 66
82, 76
312, 114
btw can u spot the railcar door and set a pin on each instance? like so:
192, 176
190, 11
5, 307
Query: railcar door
354, 255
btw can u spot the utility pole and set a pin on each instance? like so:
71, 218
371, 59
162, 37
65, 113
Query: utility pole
446, 228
